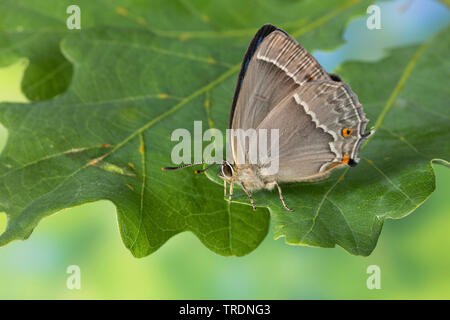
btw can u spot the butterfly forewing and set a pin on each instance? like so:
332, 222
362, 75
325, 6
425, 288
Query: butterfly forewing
277, 66
334, 108
273, 67
310, 121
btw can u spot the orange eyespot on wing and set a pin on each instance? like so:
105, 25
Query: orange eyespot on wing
346, 132
345, 160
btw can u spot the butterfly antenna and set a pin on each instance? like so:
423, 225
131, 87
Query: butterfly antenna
190, 165
180, 167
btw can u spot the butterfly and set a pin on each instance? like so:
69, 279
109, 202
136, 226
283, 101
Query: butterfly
321, 124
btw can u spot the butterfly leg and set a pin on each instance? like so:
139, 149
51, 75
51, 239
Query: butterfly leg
249, 195
224, 188
231, 193
282, 198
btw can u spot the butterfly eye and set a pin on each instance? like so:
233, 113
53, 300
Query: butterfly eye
346, 132
227, 170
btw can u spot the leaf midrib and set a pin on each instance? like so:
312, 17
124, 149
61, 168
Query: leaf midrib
315, 24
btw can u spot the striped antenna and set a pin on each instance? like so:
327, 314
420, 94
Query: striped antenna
190, 165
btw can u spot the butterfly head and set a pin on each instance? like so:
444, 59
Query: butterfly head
226, 171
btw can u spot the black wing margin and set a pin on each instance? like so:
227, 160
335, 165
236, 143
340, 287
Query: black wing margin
262, 33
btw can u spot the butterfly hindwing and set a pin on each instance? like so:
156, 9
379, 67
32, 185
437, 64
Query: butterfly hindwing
303, 148
334, 108
281, 86
310, 122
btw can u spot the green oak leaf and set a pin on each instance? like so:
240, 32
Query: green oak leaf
34, 28
139, 73
405, 97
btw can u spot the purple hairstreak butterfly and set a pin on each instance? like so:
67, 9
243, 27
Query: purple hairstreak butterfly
321, 124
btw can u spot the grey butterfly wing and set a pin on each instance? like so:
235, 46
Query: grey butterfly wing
303, 149
334, 108
310, 122
274, 65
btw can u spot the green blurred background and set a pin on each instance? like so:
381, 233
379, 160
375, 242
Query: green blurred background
413, 253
